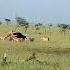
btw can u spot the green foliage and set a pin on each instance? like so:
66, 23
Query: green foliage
63, 27
22, 22
0, 22
7, 21
38, 25
50, 25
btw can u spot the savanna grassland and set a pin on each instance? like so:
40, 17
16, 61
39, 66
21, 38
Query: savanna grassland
51, 55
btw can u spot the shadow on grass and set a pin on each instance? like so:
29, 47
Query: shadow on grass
49, 50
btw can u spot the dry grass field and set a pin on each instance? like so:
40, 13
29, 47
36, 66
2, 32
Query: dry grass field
50, 55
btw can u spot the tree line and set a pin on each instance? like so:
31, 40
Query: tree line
23, 22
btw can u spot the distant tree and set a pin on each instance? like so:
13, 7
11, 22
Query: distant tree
0, 22
22, 22
49, 28
68, 27
50, 25
26, 26
7, 21
38, 25
63, 27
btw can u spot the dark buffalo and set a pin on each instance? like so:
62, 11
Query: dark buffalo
19, 35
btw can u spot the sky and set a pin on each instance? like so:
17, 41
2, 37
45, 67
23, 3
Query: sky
43, 11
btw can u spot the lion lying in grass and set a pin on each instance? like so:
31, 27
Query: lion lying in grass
45, 39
